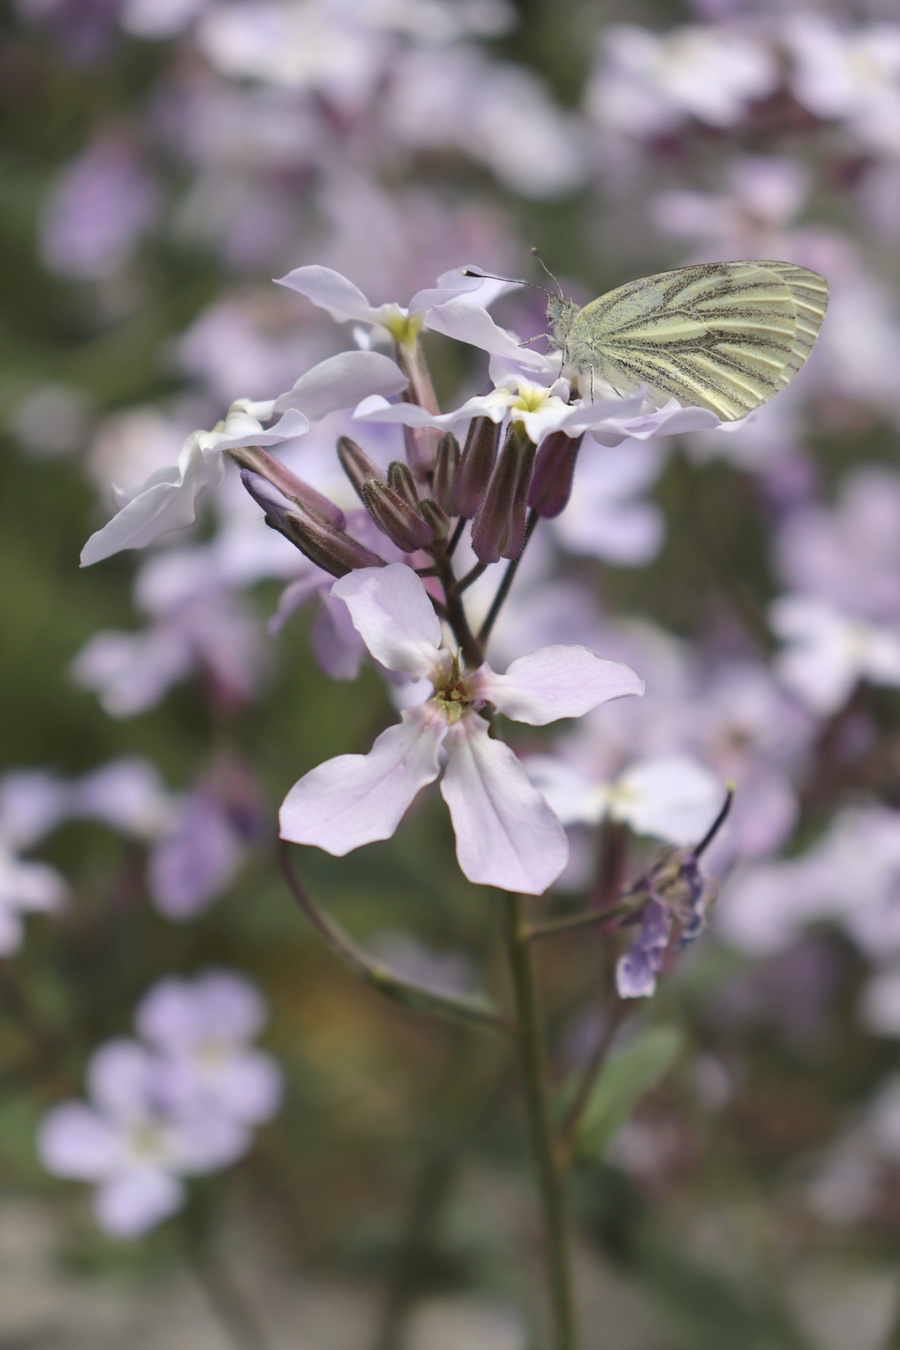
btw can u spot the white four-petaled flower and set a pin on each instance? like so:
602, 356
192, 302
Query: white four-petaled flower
506, 834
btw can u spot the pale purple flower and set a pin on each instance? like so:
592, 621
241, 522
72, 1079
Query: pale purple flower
541, 409
130, 1143
167, 501
491, 111
344, 302
197, 857
851, 876
127, 794
201, 1029
605, 517
647, 83
216, 636
99, 209
827, 653
850, 74
848, 555
671, 797
25, 887
506, 834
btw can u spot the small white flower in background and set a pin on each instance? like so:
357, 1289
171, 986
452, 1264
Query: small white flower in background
155, 1116
671, 797
506, 834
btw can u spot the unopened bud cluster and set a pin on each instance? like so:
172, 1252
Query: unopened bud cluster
415, 503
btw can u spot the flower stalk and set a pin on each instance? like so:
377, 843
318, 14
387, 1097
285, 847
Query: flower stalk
532, 1064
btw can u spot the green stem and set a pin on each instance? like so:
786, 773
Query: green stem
468, 1010
570, 921
530, 1039
509, 577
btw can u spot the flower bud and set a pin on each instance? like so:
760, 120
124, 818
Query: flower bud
403, 525
498, 530
263, 466
436, 519
325, 545
446, 463
475, 465
356, 465
400, 480
554, 470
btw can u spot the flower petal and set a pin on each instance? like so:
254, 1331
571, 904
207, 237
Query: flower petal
506, 834
74, 1141
671, 797
154, 512
356, 799
393, 615
136, 1202
329, 290
558, 681
341, 382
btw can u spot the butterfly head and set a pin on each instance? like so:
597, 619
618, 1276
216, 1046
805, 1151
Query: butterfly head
561, 313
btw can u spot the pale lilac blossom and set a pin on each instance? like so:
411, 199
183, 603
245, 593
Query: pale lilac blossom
827, 653
99, 209
129, 1143
167, 500
645, 83
202, 1031
671, 797
507, 835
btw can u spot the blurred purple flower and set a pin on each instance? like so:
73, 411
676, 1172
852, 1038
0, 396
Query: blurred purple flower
131, 1144
100, 207
198, 856
201, 1029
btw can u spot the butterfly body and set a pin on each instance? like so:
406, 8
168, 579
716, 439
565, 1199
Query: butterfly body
725, 336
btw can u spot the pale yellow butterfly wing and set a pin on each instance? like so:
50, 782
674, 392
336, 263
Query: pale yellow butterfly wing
725, 336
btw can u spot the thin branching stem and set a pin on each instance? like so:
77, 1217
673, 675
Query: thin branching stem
509, 577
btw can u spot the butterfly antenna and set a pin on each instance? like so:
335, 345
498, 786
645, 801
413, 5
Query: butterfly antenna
513, 281
535, 254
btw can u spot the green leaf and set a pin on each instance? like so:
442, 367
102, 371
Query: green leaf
624, 1080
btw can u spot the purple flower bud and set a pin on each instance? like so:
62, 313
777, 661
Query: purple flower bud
499, 527
325, 545
475, 465
446, 464
400, 481
356, 465
637, 970
436, 519
266, 466
554, 470
400, 522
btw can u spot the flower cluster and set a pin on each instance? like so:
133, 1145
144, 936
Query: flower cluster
181, 1101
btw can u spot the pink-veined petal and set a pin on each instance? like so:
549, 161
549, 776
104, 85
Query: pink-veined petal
558, 681
506, 834
393, 615
356, 799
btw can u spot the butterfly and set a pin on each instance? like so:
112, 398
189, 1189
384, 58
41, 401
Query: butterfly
725, 336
